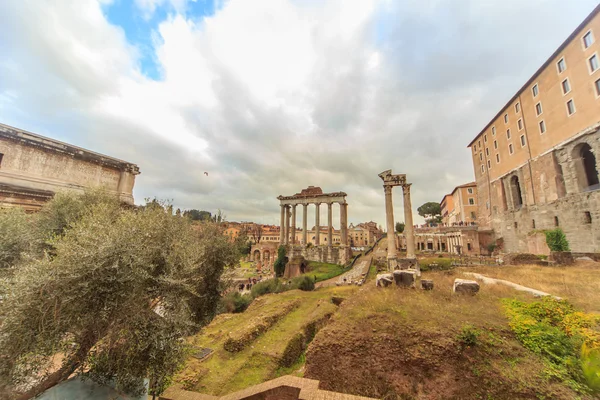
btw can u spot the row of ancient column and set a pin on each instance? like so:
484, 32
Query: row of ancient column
408, 222
289, 211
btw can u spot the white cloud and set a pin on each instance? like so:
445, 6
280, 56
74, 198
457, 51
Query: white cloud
269, 97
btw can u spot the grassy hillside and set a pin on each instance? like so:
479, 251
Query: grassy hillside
260, 359
412, 344
323, 271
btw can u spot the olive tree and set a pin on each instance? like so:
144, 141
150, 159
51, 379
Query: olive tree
113, 300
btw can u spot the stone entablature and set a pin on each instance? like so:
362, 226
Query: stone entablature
37, 164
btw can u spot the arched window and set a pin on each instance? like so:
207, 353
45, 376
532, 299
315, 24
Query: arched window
588, 161
515, 190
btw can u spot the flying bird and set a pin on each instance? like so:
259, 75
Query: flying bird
206, 173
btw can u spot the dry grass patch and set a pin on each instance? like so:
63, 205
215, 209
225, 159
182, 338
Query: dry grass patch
397, 343
579, 284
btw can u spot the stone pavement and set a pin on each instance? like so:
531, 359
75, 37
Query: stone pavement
284, 388
355, 275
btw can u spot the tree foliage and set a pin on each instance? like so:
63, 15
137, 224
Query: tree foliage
115, 295
400, 227
17, 236
197, 215
280, 262
431, 211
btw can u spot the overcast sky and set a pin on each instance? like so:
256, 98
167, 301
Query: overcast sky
270, 96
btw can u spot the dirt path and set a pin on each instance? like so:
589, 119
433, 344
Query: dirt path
493, 281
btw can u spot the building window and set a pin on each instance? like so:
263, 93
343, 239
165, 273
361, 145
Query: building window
593, 63
542, 127
535, 90
517, 107
523, 141
475, 148
493, 131
561, 65
470, 190
588, 217
480, 156
597, 84
556, 221
495, 145
588, 39
516, 225
506, 118
479, 143
515, 189
468, 246
487, 151
538, 108
566, 87
1, 157
482, 169
520, 124
498, 158
508, 133
585, 167
533, 224
510, 148
570, 107
471, 201
485, 138
489, 163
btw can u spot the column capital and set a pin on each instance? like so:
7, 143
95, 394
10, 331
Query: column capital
387, 189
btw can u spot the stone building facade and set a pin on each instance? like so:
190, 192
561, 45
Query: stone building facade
460, 206
33, 168
536, 162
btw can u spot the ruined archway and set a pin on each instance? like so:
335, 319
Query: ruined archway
585, 167
256, 255
515, 190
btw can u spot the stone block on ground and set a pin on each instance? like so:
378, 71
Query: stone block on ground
405, 278
465, 286
426, 284
384, 280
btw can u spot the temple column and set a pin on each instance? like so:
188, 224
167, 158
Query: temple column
329, 225
344, 224
287, 224
408, 221
304, 216
391, 236
317, 225
294, 224
281, 225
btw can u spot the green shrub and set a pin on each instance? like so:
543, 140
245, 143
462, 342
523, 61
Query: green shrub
265, 287
280, 262
234, 302
491, 247
468, 336
565, 338
277, 285
304, 283
556, 240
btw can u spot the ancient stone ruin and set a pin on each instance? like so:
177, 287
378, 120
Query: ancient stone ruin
389, 181
322, 252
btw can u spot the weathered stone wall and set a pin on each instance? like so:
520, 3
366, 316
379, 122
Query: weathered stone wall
333, 255
33, 162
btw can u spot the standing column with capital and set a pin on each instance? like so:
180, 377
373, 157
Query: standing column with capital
408, 221
281, 225
294, 224
287, 225
329, 225
304, 216
317, 225
344, 223
389, 217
